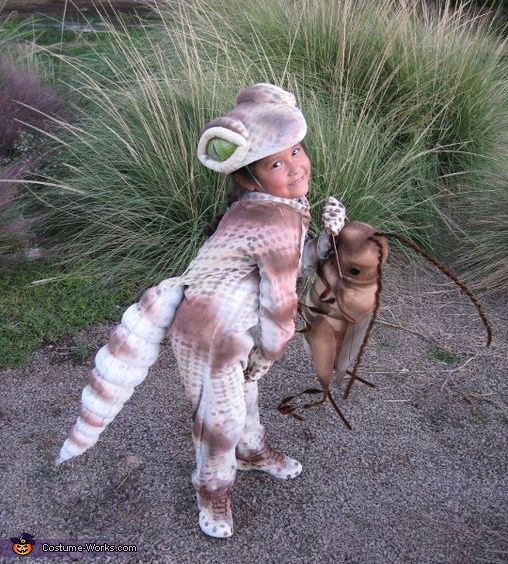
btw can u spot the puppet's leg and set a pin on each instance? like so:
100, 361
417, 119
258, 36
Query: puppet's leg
253, 451
323, 341
347, 352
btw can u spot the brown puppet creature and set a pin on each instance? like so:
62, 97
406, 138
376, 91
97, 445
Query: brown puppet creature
340, 308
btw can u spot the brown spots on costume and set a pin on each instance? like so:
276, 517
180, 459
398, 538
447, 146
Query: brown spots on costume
117, 343
243, 276
215, 435
98, 384
148, 299
104, 389
91, 418
77, 437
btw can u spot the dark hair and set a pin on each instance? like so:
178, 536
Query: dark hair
235, 192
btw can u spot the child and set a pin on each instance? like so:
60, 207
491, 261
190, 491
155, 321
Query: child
243, 278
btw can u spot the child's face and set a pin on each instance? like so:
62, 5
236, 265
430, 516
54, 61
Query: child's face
285, 174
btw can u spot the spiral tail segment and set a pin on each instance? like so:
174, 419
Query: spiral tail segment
122, 364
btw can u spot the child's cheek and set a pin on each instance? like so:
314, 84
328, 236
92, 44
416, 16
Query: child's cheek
279, 175
306, 163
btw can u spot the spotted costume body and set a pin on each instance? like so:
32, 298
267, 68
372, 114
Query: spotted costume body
240, 288
243, 278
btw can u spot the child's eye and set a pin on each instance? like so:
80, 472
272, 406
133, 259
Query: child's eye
296, 150
276, 164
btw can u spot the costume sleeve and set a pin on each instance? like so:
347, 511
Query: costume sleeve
314, 250
277, 253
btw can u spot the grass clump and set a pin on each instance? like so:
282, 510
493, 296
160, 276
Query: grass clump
440, 69
436, 76
444, 356
406, 109
36, 313
483, 252
130, 200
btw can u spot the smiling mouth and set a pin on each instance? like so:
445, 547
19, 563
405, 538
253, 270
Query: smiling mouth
299, 181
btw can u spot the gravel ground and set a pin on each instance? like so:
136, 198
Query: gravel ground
420, 478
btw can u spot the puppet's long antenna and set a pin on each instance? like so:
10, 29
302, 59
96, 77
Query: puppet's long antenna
337, 257
352, 373
447, 273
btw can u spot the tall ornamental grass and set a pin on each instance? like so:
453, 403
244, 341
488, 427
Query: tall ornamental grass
129, 200
406, 109
484, 248
436, 68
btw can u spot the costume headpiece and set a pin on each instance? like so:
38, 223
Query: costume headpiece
264, 121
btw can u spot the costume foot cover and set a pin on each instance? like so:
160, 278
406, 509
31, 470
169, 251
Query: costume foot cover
272, 462
215, 517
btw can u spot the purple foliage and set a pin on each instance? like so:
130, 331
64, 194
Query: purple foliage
11, 222
8, 189
19, 87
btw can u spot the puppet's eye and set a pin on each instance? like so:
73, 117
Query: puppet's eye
354, 271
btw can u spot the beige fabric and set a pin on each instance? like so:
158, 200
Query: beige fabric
242, 280
264, 121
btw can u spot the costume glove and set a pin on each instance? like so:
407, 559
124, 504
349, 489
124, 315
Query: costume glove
333, 216
257, 365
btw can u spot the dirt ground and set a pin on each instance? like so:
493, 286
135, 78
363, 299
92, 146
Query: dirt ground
421, 477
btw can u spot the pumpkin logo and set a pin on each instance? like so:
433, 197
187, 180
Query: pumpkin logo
23, 545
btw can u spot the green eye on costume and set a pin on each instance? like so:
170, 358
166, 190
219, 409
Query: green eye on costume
220, 149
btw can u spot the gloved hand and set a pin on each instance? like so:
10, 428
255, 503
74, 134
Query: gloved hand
257, 365
334, 216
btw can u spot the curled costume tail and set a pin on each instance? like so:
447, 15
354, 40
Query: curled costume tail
123, 363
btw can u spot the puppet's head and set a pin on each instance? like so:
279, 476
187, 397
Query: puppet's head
264, 121
359, 252
357, 263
